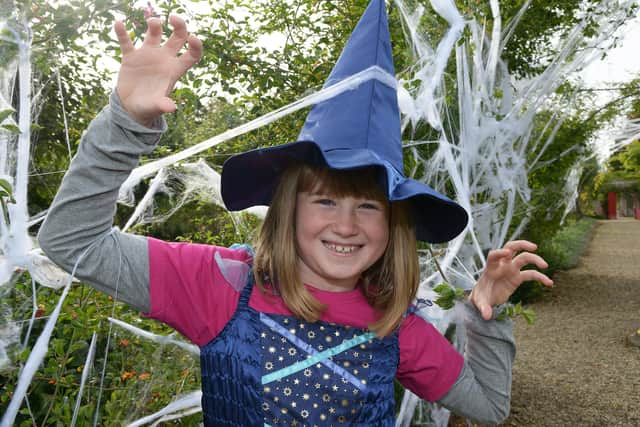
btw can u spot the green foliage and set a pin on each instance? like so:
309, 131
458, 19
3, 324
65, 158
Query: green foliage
448, 295
623, 167
534, 41
510, 310
6, 196
548, 178
141, 376
562, 252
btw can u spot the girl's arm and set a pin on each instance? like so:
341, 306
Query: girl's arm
482, 391
478, 387
82, 213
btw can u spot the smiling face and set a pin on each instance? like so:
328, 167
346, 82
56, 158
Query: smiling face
338, 229
338, 237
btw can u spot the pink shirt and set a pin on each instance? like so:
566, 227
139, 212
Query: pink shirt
194, 294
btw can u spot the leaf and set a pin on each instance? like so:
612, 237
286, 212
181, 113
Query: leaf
6, 186
529, 316
6, 113
12, 128
442, 287
445, 303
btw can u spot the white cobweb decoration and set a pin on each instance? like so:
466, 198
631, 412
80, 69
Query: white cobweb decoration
483, 160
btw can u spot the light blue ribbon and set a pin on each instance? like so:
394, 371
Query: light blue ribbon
316, 357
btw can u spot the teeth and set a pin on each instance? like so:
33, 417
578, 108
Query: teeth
341, 249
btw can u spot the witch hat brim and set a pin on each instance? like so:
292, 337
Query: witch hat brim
357, 128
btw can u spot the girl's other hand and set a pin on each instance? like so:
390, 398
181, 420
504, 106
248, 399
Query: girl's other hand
148, 73
503, 274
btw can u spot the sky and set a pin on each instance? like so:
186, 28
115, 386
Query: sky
621, 63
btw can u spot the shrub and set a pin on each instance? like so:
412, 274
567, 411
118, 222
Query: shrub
562, 252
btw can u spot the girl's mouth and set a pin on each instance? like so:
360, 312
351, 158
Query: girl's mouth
341, 249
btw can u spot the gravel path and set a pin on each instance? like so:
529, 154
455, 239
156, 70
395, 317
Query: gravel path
574, 366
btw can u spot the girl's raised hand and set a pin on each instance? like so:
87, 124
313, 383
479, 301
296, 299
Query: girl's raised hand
148, 73
503, 274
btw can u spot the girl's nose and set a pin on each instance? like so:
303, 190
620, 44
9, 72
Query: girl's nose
345, 223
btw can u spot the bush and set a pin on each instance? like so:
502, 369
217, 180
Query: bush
141, 376
562, 252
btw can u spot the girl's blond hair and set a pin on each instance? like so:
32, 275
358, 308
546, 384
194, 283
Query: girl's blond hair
389, 285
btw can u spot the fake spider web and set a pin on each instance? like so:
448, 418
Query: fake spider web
479, 157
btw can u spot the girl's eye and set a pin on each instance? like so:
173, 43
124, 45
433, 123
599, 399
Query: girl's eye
325, 202
370, 205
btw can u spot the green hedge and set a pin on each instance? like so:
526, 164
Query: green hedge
562, 252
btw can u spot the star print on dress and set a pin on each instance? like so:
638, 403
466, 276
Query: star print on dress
317, 375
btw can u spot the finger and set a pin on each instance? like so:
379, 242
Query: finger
529, 275
482, 305
166, 105
526, 258
520, 245
179, 34
192, 55
126, 45
485, 311
153, 36
498, 254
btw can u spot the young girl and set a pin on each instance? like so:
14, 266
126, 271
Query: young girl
312, 328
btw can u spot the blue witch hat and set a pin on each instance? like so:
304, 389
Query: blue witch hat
360, 127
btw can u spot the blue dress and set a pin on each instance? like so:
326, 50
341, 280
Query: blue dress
269, 370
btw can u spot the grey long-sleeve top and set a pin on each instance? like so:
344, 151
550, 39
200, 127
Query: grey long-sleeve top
82, 216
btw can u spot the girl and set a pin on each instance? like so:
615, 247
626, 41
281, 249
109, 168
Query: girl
313, 328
